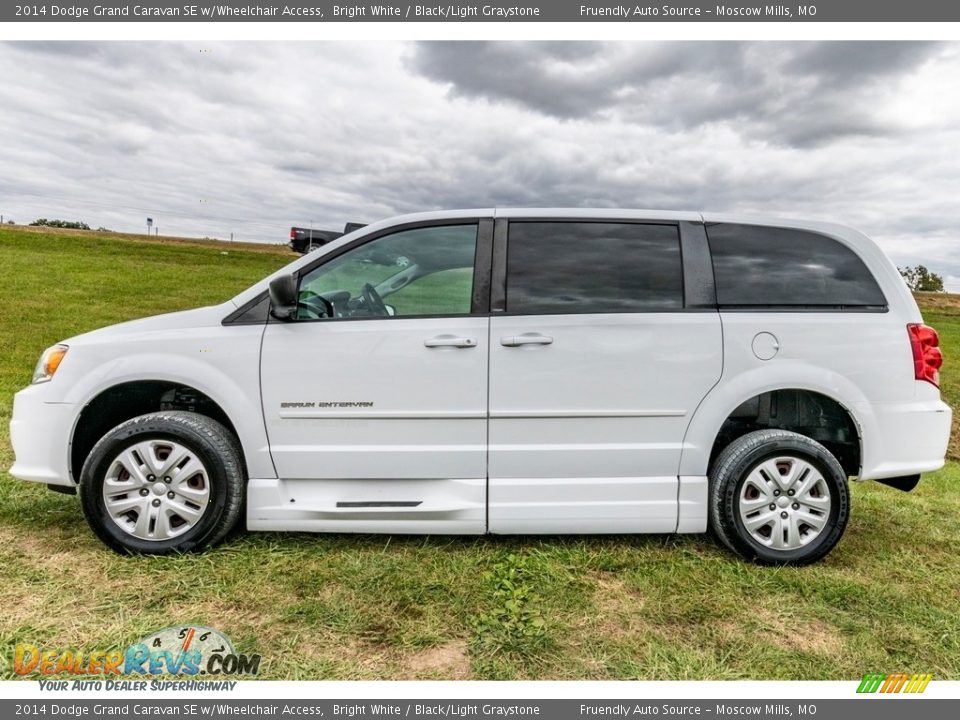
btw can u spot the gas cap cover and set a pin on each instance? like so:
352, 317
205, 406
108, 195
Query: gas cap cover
765, 345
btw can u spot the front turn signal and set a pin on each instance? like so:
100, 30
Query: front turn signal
49, 362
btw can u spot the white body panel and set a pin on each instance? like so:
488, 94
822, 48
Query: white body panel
422, 417
449, 507
190, 347
607, 429
586, 432
822, 353
422, 410
39, 433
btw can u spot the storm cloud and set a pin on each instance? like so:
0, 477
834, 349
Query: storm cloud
797, 94
251, 138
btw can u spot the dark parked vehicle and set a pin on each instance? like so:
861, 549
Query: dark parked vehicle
304, 240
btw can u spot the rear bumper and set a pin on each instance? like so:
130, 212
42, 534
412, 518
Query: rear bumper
40, 434
908, 438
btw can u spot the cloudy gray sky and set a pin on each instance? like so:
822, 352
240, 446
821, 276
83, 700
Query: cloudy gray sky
252, 138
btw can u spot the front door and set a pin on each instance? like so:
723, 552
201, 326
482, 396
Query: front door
596, 367
375, 395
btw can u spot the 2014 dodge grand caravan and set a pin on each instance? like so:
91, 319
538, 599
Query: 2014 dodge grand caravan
526, 371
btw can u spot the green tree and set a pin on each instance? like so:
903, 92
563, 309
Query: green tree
69, 224
919, 279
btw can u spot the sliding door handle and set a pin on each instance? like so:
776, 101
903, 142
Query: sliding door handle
450, 341
525, 339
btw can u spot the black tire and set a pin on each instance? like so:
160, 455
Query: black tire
214, 446
731, 470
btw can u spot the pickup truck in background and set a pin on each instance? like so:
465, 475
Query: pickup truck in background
304, 240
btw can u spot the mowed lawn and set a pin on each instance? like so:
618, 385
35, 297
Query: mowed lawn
316, 606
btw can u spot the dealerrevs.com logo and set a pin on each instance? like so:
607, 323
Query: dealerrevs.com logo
183, 650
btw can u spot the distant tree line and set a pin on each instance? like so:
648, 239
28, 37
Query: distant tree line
68, 224
919, 279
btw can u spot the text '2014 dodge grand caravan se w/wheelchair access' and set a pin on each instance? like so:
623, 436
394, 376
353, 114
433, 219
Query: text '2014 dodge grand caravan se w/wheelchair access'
526, 371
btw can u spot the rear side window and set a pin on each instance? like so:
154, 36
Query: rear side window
758, 266
593, 267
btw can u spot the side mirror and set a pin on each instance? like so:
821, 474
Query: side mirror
391, 310
283, 297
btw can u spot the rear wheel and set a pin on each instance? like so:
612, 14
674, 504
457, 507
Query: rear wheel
778, 497
164, 482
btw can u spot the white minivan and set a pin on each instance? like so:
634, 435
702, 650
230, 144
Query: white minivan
524, 371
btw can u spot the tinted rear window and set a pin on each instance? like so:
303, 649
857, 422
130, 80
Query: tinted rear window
780, 267
582, 267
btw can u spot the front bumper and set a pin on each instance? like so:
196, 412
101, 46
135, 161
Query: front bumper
40, 433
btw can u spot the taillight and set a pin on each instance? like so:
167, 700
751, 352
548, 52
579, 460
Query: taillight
293, 233
927, 357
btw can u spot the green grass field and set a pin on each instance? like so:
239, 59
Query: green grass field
316, 607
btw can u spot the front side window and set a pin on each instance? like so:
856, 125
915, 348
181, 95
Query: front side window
593, 267
757, 266
424, 271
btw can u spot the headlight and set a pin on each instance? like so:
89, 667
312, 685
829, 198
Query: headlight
49, 362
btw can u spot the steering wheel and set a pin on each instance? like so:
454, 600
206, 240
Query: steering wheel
373, 302
316, 306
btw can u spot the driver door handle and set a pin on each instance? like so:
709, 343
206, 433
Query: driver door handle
450, 341
525, 339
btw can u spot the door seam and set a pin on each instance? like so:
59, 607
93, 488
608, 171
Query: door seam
487, 426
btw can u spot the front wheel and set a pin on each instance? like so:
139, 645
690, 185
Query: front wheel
778, 498
163, 483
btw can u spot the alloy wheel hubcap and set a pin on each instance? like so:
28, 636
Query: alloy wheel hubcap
784, 503
156, 490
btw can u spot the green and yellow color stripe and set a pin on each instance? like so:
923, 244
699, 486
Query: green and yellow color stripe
894, 682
